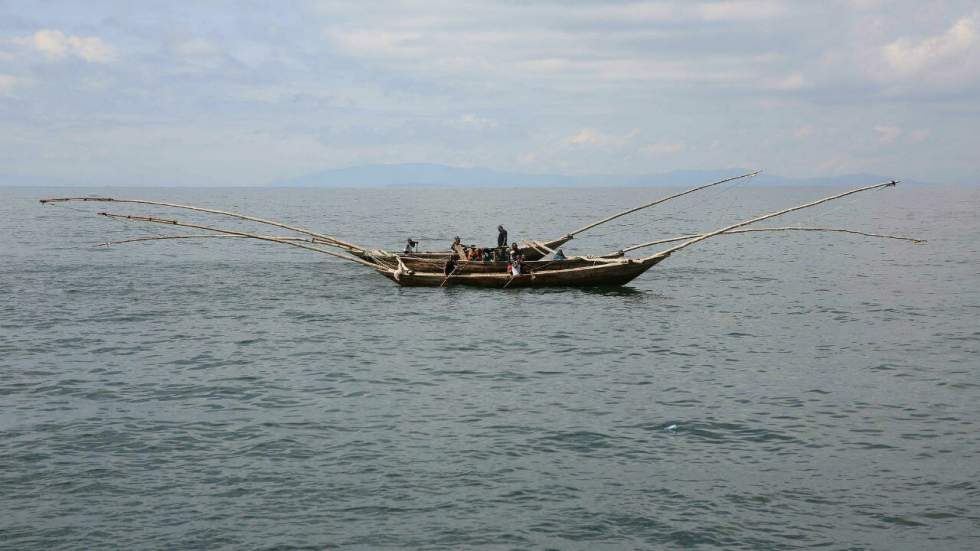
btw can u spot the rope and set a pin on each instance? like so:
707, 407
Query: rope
679, 210
326, 239
107, 242
704, 236
152, 219
724, 213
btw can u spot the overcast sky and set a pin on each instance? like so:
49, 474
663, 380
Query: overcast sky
221, 93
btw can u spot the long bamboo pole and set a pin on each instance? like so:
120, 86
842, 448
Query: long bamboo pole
657, 202
155, 220
161, 237
709, 235
750, 230
328, 240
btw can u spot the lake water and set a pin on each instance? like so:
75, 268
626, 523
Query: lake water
773, 391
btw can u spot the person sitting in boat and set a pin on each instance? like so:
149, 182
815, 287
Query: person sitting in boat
487, 255
501, 236
456, 243
474, 253
411, 246
516, 267
515, 253
559, 255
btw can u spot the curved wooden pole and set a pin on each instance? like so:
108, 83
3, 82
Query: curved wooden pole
657, 202
239, 234
709, 235
327, 240
750, 230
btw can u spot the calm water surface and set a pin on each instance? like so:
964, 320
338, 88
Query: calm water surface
780, 391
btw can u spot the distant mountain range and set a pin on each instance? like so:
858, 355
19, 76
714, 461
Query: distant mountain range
420, 174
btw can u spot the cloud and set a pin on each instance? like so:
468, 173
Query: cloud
662, 148
583, 47
866, 4
906, 57
918, 136
196, 48
803, 132
788, 83
675, 12
592, 137
555, 86
197, 56
741, 10
587, 136
57, 45
8, 83
887, 134
469, 120
382, 43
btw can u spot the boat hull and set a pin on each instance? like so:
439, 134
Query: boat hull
436, 265
601, 274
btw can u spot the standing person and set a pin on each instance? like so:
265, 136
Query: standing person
501, 236
411, 245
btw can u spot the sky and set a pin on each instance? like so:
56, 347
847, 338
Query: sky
247, 93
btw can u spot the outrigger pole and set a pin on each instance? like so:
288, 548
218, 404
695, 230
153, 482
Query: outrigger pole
291, 242
207, 236
708, 235
657, 202
750, 230
325, 239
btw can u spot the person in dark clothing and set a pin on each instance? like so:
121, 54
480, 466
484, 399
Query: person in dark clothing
501, 236
410, 245
450, 265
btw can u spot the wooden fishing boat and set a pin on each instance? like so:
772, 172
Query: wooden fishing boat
429, 270
569, 273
